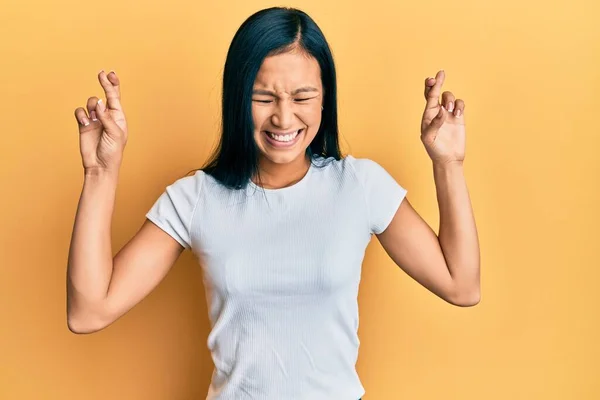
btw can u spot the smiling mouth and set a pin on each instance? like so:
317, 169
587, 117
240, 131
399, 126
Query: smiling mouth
285, 140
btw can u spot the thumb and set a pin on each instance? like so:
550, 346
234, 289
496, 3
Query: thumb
110, 126
438, 121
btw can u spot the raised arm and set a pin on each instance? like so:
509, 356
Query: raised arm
101, 288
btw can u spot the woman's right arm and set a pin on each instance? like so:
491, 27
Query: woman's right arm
101, 288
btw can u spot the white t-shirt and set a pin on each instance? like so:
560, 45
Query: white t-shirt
281, 269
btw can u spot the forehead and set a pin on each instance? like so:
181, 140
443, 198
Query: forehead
288, 71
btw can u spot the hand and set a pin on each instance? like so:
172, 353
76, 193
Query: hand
103, 134
443, 125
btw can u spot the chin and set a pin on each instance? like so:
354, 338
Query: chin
286, 158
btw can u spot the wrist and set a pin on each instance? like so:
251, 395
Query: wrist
100, 174
454, 164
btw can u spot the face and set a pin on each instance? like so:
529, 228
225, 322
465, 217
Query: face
286, 106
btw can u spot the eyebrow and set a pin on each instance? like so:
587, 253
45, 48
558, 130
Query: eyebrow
303, 89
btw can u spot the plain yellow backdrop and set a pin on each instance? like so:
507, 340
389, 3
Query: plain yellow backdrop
529, 74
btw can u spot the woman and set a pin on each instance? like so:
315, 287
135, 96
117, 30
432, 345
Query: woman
279, 219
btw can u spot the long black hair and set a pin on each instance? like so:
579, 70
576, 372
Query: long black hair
266, 33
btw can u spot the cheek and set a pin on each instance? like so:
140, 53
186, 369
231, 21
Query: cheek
314, 121
258, 117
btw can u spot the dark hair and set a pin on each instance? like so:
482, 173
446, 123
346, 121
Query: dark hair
266, 33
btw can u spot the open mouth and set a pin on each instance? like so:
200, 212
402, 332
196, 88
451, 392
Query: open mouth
286, 140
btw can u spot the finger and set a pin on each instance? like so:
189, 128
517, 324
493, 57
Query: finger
108, 123
112, 89
81, 117
459, 107
448, 101
428, 85
91, 108
432, 93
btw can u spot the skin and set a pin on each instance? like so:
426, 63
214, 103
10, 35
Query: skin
102, 288
448, 264
287, 96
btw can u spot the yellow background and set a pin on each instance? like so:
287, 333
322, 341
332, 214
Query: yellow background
529, 74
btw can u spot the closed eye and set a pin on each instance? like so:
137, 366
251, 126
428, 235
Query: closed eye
270, 101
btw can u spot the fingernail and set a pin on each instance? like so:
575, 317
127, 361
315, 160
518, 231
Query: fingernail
458, 112
86, 122
450, 106
93, 115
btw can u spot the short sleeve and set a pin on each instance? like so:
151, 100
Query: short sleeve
383, 194
174, 210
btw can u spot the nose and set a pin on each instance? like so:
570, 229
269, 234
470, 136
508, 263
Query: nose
283, 116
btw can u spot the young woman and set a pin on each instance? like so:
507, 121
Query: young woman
278, 218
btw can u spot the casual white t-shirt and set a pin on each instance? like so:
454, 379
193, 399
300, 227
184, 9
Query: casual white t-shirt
281, 269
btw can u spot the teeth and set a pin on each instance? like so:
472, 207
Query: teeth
284, 138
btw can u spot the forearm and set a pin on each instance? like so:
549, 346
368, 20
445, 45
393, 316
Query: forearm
89, 268
458, 232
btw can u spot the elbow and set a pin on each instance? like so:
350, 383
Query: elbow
85, 322
81, 326
470, 302
85, 316
466, 298
466, 293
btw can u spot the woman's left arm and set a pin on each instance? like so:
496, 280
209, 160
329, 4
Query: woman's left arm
449, 264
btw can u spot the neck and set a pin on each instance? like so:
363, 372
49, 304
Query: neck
276, 176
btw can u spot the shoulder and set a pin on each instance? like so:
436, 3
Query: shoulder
174, 209
190, 181
187, 188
